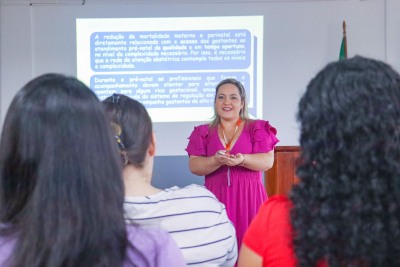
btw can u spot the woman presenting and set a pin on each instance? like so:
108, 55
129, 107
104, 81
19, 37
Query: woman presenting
232, 152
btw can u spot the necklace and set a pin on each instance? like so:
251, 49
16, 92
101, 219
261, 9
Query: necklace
228, 143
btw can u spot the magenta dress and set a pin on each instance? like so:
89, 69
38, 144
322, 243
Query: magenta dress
240, 189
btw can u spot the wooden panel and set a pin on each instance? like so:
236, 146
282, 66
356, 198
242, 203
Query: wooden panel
280, 178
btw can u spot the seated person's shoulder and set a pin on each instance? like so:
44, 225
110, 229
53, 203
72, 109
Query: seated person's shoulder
276, 206
149, 233
195, 190
152, 244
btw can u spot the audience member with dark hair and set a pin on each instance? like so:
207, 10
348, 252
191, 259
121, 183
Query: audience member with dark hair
232, 152
346, 209
192, 215
61, 191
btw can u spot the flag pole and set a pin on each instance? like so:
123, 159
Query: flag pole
344, 39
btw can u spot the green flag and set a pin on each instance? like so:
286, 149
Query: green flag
343, 46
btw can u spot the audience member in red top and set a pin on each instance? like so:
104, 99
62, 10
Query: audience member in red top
346, 209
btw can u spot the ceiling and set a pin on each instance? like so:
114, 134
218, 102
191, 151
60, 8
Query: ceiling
83, 2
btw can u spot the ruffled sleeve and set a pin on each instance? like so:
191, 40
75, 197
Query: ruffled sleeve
263, 136
198, 141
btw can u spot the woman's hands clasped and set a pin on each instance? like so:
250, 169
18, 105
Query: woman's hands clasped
223, 157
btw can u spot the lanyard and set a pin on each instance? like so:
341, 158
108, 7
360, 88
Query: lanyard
228, 144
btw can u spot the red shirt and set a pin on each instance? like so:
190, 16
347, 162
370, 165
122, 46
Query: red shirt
270, 234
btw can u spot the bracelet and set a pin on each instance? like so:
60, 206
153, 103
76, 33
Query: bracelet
244, 159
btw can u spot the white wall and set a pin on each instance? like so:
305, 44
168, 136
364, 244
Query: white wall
300, 38
393, 33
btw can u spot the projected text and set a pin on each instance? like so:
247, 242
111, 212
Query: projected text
177, 50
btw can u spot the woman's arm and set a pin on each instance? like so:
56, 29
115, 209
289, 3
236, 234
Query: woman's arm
255, 162
201, 166
258, 161
248, 258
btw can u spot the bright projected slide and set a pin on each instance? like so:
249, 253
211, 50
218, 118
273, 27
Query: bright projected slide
172, 65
